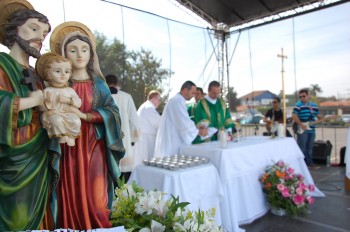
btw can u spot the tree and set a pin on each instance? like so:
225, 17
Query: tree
138, 72
231, 97
144, 74
315, 89
112, 56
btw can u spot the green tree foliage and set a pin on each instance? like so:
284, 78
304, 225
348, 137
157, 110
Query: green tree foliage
138, 72
315, 89
232, 100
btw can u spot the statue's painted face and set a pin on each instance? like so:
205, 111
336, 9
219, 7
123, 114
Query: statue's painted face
78, 52
31, 36
60, 73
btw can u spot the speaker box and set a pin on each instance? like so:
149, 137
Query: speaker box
342, 156
321, 150
347, 184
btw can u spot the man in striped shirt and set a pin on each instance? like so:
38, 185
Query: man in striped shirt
306, 111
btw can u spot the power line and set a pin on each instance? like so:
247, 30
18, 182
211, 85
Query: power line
150, 13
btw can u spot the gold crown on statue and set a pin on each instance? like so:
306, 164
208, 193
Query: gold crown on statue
61, 31
7, 8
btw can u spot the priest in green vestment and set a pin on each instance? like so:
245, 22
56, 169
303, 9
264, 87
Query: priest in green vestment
27, 156
212, 109
191, 106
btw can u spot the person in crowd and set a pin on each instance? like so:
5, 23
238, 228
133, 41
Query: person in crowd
149, 124
56, 71
191, 106
28, 157
213, 109
275, 114
306, 111
130, 124
176, 128
88, 169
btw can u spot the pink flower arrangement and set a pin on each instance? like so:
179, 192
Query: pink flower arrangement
286, 189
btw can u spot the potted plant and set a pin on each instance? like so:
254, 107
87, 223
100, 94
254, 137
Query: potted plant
285, 190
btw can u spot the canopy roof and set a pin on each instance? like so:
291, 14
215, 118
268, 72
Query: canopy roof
238, 12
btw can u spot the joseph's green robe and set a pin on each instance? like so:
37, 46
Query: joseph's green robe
218, 116
27, 168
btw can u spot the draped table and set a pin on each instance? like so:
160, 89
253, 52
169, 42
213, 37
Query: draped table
240, 166
347, 162
199, 185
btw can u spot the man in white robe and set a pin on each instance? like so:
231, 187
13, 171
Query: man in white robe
176, 128
129, 121
149, 124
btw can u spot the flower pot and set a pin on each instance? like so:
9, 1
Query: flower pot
278, 211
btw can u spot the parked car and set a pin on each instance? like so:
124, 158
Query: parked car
248, 119
346, 118
289, 120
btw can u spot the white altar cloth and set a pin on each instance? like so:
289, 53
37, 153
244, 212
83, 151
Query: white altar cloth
240, 166
199, 185
347, 155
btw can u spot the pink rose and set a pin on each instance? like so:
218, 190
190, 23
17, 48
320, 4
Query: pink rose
285, 193
290, 171
280, 187
310, 200
302, 186
298, 200
311, 187
299, 191
300, 177
280, 163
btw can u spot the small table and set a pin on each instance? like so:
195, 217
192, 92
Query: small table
240, 166
199, 185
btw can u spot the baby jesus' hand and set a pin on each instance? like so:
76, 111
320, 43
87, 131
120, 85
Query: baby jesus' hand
63, 99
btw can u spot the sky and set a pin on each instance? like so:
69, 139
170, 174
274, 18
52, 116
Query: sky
318, 52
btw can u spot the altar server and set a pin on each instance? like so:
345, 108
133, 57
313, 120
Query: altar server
149, 124
176, 128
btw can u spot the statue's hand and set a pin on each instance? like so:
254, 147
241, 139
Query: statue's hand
76, 111
36, 97
63, 99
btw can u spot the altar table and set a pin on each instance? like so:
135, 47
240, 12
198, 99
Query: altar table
199, 185
240, 166
347, 155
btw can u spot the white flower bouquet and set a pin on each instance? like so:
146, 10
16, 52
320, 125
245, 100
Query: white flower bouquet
149, 211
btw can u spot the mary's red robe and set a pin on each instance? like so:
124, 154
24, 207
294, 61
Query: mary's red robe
87, 170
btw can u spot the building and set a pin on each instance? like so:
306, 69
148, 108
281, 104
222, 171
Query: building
257, 98
335, 107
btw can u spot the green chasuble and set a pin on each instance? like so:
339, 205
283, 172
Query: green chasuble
218, 116
27, 168
190, 109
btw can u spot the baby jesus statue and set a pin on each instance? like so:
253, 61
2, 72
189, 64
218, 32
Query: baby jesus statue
56, 71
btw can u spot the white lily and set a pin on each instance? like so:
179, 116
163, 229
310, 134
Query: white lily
157, 227
145, 230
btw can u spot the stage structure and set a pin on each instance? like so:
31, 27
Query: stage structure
233, 16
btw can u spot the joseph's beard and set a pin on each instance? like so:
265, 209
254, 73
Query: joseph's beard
25, 45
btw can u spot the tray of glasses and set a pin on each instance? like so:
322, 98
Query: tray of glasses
176, 162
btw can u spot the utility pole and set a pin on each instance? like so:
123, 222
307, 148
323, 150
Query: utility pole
283, 93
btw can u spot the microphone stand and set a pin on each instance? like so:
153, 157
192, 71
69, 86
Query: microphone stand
251, 112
